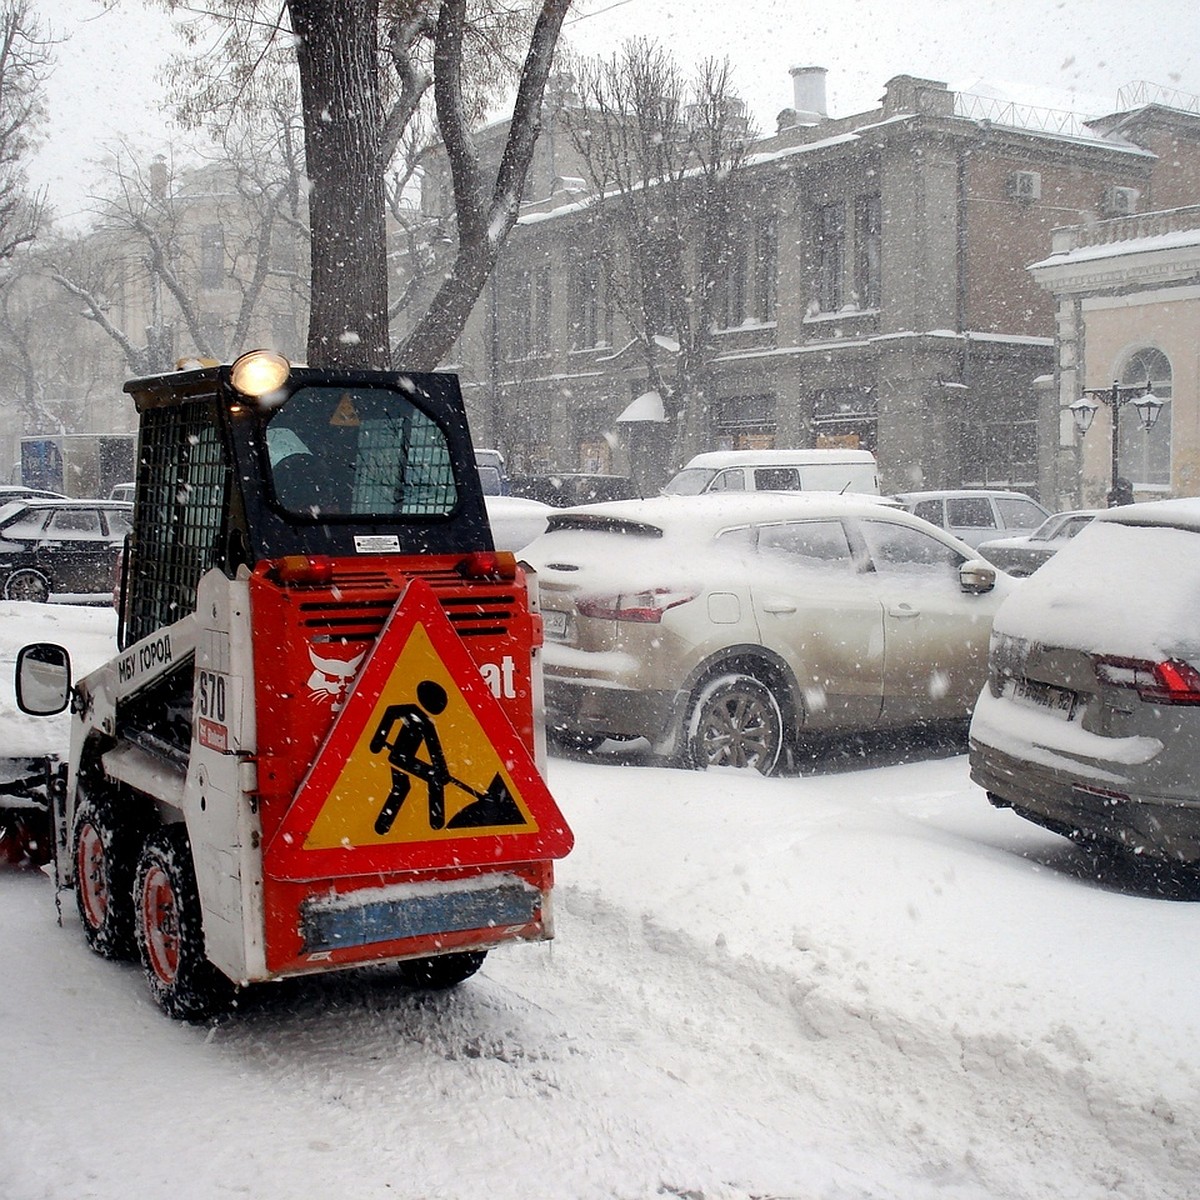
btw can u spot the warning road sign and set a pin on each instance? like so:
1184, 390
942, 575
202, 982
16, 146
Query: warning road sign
422, 767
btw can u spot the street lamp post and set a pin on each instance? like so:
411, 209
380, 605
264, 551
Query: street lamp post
1148, 406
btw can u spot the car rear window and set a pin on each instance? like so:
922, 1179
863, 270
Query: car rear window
28, 524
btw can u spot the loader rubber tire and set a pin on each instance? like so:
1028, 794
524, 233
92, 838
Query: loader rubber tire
107, 840
170, 931
441, 972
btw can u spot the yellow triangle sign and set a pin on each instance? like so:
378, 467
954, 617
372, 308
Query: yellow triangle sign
421, 769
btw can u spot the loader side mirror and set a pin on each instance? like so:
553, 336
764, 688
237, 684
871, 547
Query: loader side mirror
43, 681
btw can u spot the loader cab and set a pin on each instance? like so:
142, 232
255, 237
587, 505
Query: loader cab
263, 461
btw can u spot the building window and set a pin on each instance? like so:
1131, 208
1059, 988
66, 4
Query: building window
868, 244
212, 256
1000, 445
590, 318
845, 419
529, 313
831, 254
1145, 457
766, 266
746, 422
747, 285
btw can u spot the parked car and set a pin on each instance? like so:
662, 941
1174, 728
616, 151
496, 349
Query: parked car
1022, 554
18, 491
975, 515
492, 477
515, 521
721, 627
1090, 721
61, 549
826, 470
565, 489
123, 492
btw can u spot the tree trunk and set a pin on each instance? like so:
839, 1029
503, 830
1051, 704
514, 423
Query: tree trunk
339, 89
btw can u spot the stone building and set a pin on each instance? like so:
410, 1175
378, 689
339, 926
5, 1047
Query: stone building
1127, 298
882, 300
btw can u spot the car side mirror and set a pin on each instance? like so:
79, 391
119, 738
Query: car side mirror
43, 679
976, 576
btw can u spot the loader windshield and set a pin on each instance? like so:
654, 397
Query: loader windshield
358, 452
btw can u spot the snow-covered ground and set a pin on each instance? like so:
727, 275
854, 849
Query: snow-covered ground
857, 982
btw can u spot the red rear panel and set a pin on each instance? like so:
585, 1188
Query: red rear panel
401, 809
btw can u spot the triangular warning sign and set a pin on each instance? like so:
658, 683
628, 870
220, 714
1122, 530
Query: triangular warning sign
345, 415
421, 769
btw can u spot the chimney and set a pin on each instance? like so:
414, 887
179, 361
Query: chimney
808, 85
158, 177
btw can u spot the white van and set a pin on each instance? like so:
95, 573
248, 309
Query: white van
777, 471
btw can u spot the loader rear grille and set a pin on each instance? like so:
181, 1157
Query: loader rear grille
471, 616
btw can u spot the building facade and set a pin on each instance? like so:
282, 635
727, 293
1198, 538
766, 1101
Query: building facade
880, 297
1127, 301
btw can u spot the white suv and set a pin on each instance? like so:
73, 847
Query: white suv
975, 516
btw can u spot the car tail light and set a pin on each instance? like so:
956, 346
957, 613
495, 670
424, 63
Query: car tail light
1169, 682
646, 608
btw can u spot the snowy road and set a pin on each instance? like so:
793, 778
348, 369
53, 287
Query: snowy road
849, 985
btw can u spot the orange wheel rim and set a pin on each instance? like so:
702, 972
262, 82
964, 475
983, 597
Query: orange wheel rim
91, 875
161, 922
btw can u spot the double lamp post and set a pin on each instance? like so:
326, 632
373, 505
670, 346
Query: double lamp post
1144, 401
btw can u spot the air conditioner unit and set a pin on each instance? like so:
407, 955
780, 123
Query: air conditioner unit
1120, 201
1025, 185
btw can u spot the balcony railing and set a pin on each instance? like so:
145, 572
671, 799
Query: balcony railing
1126, 229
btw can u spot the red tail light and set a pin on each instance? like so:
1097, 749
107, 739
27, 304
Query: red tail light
1170, 682
646, 607
489, 564
303, 568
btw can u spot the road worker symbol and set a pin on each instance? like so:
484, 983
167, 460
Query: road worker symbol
414, 751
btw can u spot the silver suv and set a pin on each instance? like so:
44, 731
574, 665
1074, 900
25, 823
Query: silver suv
973, 515
1090, 721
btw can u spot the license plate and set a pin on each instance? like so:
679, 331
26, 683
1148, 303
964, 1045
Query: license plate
1059, 702
555, 623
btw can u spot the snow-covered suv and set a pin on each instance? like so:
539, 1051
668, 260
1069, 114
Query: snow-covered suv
1090, 720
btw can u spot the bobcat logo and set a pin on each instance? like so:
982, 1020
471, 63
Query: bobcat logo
331, 678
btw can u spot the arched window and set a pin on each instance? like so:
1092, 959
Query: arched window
1146, 457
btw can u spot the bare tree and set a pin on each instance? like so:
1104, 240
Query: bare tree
662, 155
366, 68
190, 256
24, 59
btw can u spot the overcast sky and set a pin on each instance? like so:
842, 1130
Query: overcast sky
1050, 52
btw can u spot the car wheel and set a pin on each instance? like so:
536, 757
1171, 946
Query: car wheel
106, 842
27, 584
735, 721
170, 931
